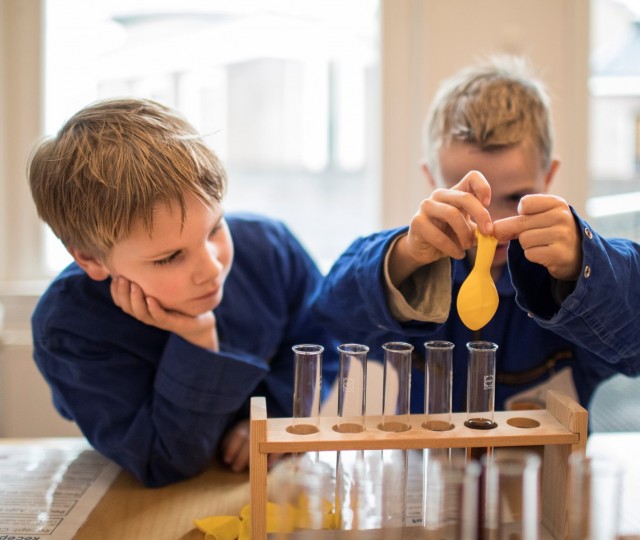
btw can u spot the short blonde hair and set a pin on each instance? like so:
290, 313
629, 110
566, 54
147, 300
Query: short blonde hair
494, 104
111, 164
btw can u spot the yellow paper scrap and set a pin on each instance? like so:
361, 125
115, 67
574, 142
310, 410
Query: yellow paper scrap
303, 514
219, 527
279, 519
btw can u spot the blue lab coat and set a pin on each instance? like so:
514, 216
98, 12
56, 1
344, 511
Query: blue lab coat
156, 404
571, 347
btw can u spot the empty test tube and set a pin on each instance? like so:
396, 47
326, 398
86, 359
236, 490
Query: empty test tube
306, 389
438, 385
450, 498
397, 386
595, 486
352, 381
511, 495
301, 488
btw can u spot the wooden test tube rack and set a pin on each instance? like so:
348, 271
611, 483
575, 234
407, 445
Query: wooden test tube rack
561, 429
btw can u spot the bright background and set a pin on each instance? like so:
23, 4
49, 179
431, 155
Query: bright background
316, 107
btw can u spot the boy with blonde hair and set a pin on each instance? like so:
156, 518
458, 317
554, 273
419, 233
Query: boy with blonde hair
173, 315
566, 318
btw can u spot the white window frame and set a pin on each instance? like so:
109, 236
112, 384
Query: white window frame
20, 125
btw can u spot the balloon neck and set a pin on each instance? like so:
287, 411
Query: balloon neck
485, 252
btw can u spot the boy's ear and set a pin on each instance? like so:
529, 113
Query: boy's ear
90, 264
551, 173
430, 179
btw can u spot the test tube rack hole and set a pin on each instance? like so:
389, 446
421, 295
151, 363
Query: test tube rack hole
561, 429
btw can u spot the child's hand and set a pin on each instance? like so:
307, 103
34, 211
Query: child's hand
235, 448
444, 226
129, 297
548, 234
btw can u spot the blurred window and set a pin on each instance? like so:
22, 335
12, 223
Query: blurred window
614, 147
285, 91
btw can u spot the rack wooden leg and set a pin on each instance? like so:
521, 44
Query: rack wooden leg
555, 471
258, 469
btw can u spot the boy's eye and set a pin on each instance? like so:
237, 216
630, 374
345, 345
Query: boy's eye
515, 197
166, 260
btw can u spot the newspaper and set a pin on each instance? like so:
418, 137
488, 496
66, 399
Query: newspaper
48, 488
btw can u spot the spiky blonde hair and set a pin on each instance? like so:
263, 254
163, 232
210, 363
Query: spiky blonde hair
111, 164
494, 104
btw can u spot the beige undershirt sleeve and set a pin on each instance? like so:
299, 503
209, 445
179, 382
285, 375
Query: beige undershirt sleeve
424, 296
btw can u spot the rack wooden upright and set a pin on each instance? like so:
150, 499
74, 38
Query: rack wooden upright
561, 429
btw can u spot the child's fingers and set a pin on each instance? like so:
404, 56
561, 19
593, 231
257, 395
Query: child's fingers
466, 204
156, 311
510, 228
474, 182
446, 218
272, 459
538, 211
540, 202
138, 303
513, 227
113, 288
231, 446
442, 238
241, 461
235, 447
129, 297
121, 293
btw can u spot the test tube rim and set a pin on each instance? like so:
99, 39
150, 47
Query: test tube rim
439, 344
301, 349
485, 346
358, 348
398, 346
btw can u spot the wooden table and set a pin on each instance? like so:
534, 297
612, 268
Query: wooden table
126, 511
130, 511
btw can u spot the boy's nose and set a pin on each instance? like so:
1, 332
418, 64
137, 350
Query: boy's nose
208, 267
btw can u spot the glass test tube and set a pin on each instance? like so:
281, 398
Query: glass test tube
450, 498
395, 417
301, 489
511, 495
359, 488
395, 470
306, 389
481, 376
438, 385
397, 386
594, 498
352, 380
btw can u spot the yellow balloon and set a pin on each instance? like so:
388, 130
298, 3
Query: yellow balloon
478, 298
